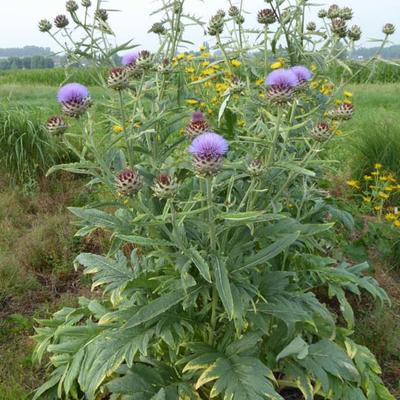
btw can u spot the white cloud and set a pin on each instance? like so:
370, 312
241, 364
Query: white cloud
18, 20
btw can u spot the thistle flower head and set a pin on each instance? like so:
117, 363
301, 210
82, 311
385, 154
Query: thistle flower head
209, 144
389, 29
74, 98
208, 150
197, 116
44, 25
302, 73
283, 78
130, 58
72, 92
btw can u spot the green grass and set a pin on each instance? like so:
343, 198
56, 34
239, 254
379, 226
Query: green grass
373, 135
50, 77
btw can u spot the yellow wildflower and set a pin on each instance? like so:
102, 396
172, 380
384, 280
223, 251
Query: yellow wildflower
383, 195
190, 57
353, 184
259, 82
189, 70
375, 173
202, 48
338, 102
315, 84
378, 208
242, 123
126, 202
205, 64
348, 94
378, 166
367, 199
192, 102
206, 55
117, 129
373, 187
383, 178
236, 63
388, 189
390, 217
208, 72
391, 178
314, 68
396, 223
210, 111
367, 178
221, 87
278, 64
180, 56
137, 125
338, 132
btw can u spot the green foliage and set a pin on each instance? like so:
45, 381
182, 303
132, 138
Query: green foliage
48, 77
217, 290
26, 147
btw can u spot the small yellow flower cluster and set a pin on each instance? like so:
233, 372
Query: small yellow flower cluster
323, 85
378, 188
117, 129
347, 99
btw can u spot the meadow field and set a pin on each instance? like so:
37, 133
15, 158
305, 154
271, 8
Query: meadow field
37, 244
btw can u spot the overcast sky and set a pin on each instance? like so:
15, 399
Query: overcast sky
18, 18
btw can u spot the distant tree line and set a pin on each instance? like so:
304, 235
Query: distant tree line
389, 53
34, 62
27, 51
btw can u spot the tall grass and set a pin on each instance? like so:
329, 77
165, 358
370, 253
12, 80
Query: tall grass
26, 149
363, 73
50, 77
374, 132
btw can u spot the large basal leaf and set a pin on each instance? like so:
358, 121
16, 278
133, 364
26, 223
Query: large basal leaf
114, 274
239, 378
326, 358
223, 286
155, 308
271, 251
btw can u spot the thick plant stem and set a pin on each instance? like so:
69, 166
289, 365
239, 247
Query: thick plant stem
226, 58
275, 137
266, 50
123, 122
213, 245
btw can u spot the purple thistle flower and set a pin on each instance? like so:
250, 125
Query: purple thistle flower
282, 78
208, 150
73, 92
209, 144
302, 73
130, 58
197, 116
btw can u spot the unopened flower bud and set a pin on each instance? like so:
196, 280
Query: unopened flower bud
56, 125
266, 16
255, 168
339, 27
333, 11
128, 182
346, 13
197, 125
320, 132
354, 33
86, 3
101, 14
389, 29
71, 6
165, 186
118, 79
216, 25
45, 25
61, 21
158, 28
311, 27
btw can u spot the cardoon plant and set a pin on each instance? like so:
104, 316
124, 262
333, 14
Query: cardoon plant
219, 281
